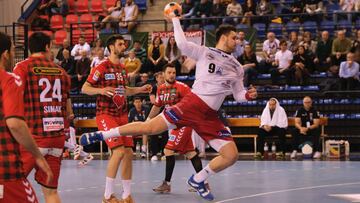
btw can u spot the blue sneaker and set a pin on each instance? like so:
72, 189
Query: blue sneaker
90, 138
200, 188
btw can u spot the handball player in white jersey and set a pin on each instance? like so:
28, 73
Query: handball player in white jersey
218, 74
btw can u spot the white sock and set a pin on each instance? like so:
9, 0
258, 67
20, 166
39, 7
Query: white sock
204, 174
70, 146
127, 188
109, 187
84, 154
113, 132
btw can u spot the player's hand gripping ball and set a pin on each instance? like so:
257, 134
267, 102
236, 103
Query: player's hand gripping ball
172, 9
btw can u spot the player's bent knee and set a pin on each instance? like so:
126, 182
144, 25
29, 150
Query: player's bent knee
168, 152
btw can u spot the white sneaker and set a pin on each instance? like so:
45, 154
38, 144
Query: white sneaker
317, 155
77, 151
154, 158
86, 160
143, 151
293, 154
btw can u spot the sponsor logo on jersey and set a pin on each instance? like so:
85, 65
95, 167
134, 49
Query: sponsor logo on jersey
110, 76
46, 71
224, 133
53, 124
209, 56
219, 71
173, 90
172, 138
96, 75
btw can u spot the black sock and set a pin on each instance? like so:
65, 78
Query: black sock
170, 165
197, 164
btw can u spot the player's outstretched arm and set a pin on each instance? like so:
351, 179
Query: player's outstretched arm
88, 89
241, 94
189, 49
129, 91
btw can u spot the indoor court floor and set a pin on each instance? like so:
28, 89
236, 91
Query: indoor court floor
245, 182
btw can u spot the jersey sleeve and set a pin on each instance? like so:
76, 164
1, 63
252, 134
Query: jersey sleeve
239, 91
185, 90
158, 101
13, 94
20, 70
189, 49
95, 75
316, 114
298, 113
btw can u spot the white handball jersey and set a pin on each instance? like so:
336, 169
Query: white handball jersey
217, 74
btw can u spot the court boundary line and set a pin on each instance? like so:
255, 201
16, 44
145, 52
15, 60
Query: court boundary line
287, 190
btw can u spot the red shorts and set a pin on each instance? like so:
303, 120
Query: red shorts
193, 112
106, 122
17, 191
52, 149
180, 140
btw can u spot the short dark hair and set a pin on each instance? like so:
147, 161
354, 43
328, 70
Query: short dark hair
112, 39
38, 42
224, 30
282, 42
137, 98
137, 41
168, 65
5, 42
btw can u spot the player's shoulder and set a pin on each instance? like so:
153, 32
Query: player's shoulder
162, 86
10, 79
181, 84
22, 64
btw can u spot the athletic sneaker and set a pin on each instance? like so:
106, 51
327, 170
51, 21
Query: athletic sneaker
143, 151
163, 188
317, 155
293, 154
154, 158
91, 138
207, 185
200, 188
77, 151
129, 199
112, 199
86, 160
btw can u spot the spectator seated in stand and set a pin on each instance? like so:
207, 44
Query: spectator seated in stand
78, 48
97, 46
82, 68
115, 13
270, 47
282, 64
302, 65
139, 51
355, 47
249, 62
156, 53
323, 53
263, 8
349, 73
293, 42
340, 47
98, 58
233, 9
306, 128
132, 65
274, 122
173, 54
249, 10
65, 45
130, 15
240, 44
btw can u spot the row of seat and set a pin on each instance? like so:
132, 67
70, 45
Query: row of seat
84, 21
96, 6
259, 76
332, 116
295, 102
59, 36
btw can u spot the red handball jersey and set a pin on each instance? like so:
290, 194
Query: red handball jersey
46, 90
107, 74
10, 106
170, 94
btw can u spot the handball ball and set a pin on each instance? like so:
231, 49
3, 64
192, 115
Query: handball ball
172, 9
